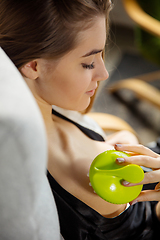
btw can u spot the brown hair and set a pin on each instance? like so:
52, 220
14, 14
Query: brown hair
44, 28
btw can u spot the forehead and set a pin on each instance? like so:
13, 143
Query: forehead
93, 38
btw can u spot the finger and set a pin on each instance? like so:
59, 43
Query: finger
149, 177
148, 195
140, 149
141, 160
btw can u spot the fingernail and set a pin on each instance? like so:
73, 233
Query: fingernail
120, 160
118, 145
87, 174
125, 183
90, 184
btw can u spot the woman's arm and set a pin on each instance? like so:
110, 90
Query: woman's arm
147, 158
122, 137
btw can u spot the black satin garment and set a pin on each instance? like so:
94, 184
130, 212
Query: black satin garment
80, 222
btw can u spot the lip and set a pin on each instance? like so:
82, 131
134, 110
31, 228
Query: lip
91, 93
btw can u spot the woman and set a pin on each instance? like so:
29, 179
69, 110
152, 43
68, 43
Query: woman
57, 46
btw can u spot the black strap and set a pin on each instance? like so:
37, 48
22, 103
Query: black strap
90, 133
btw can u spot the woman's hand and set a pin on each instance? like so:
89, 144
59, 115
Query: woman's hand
147, 158
143, 156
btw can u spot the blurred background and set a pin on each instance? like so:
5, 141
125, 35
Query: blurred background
124, 59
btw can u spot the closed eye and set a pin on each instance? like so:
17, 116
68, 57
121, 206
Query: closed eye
88, 66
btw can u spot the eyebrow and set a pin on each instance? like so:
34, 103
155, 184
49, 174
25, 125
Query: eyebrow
93, 52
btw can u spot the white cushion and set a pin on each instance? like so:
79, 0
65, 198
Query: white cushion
27, 207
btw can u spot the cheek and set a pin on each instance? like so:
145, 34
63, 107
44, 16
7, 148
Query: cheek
72, 92
80, 85
67, 89
77, 82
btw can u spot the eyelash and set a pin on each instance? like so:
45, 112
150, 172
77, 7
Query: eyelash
88, 66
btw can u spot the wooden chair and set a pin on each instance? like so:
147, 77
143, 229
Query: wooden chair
139, 84
110, 123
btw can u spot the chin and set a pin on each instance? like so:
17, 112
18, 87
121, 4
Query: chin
82, 109
79, 107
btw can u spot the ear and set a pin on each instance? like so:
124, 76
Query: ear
29, 70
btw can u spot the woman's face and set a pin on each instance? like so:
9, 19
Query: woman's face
71, 81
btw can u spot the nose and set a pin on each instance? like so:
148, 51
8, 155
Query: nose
101, 72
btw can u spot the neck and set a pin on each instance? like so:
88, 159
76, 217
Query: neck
46, 110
